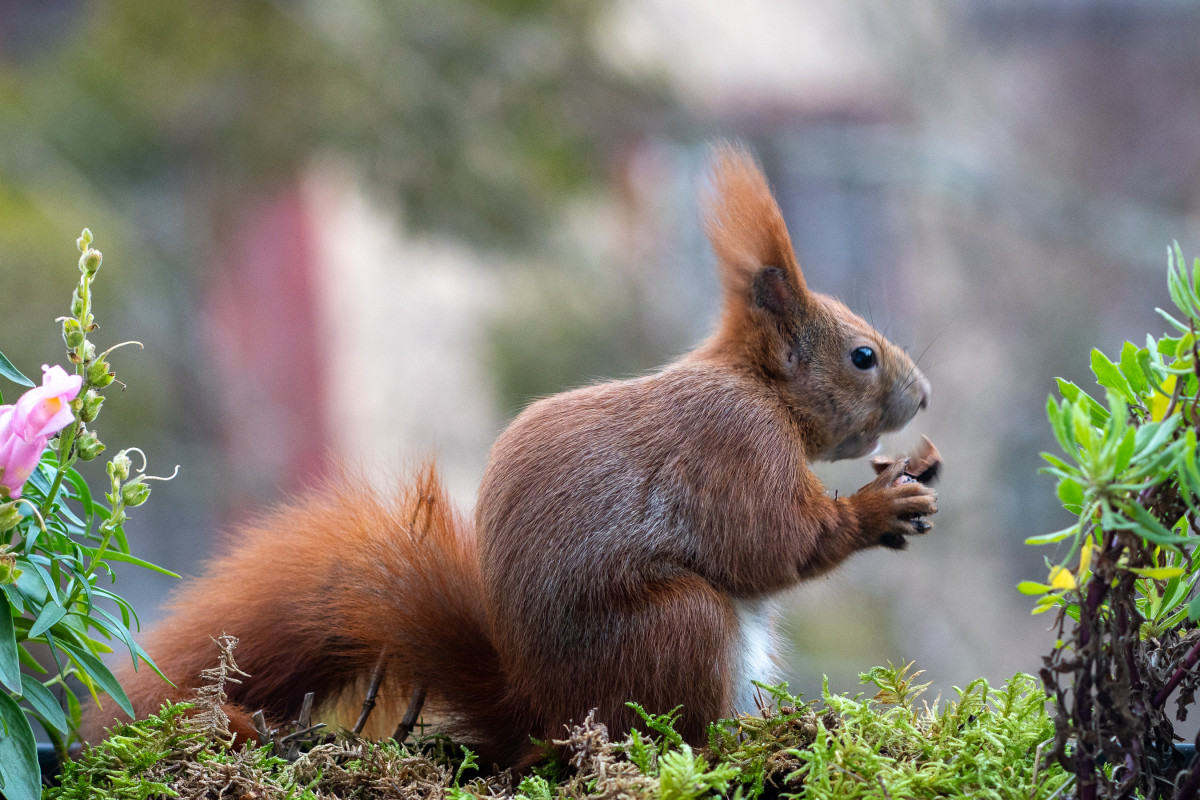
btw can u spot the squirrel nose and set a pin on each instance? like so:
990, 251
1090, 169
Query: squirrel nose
925, 389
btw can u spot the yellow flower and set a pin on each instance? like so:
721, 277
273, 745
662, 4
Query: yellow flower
1062, 579
1085, 556
1158, 402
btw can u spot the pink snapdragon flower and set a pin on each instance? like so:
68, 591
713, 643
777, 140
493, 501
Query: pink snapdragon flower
27, 426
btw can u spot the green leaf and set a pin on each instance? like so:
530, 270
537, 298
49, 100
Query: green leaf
10, 661
1131, 368
74, 709
1149, 528
1071, 493
52, 645
1045, 603
12, 373
1186, 343
1182, 286
84, 494
128, 559
1151, 436
1190, 469
1176, 324
50, 615
18, 754
1193, 609
35, 562
1055, 536
1174, 283
40, 477
29, 662
1157, 573
1060, 466
1109, 376
1175, 592
1031, 587
15, 597
1152, 369
44, 702
1062, 431
1075, 395
119, 631
1125, 450
99, 673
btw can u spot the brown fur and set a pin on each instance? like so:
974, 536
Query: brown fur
621, 528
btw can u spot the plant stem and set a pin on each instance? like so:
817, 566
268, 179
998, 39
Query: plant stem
1188, 662
1134, 761
1085, 767
65, 442
91, 567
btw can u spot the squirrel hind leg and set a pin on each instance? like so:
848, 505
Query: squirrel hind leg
675, 650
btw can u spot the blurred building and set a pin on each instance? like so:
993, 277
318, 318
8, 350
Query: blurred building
991, 183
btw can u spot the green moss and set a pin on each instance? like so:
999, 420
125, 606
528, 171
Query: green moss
986, 743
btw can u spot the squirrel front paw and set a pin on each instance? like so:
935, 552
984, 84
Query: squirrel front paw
894, 505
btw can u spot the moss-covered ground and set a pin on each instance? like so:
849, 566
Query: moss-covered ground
887, 743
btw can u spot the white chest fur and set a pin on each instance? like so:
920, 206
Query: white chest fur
754, 654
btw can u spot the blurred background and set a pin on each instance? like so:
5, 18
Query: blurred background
376, 230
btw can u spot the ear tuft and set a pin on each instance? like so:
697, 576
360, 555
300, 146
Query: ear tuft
754, 253
745, 225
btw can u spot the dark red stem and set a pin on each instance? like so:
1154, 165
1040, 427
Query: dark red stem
1085, 767
1188, 662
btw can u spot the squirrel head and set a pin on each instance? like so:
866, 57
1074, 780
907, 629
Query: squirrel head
844, 383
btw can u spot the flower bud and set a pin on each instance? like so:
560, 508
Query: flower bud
88, 446
134, 493
90, 407
10, 515
89, 262
119, 467
8, 568
98, 374
84, 240
78, 304
72, 334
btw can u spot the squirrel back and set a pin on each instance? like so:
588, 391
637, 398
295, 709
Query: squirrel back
628, 536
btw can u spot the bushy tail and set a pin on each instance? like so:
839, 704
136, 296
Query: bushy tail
318, 590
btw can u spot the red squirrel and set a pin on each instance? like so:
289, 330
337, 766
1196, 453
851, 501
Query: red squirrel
627, 539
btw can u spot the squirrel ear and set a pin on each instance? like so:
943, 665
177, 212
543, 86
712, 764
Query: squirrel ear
772, 293
754, 252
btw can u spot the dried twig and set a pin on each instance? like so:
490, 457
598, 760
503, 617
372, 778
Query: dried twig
265, 735
305, 718
410, 716
372, 691
304, 726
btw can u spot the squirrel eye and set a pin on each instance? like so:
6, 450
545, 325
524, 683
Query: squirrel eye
862, 357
